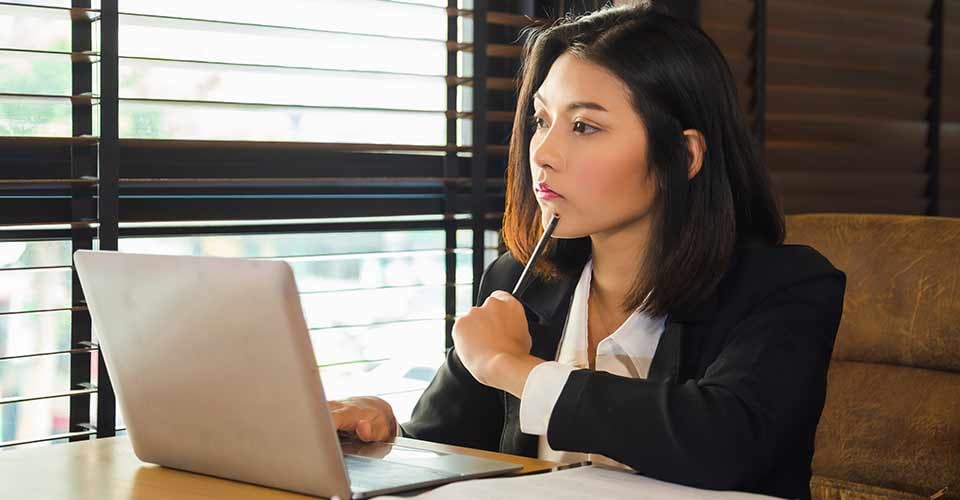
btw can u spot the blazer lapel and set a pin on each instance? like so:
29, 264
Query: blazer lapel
666, 361
679, 344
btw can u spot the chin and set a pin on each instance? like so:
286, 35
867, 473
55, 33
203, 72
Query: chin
570, 232
565, 230
573, 229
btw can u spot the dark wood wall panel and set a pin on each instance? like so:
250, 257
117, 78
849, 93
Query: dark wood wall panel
846, 96
950, 113
794, 155
801, 203
896, 135
901, 9
846, 52
730, 24
851, 19
803, 99
812, 73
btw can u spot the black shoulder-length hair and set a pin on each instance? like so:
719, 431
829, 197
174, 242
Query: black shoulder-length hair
678, 80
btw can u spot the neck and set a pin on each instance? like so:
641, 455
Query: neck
617, 259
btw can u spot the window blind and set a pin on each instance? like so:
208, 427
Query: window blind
48, 143
363, 141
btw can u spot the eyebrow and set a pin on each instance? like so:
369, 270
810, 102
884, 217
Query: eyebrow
574, 105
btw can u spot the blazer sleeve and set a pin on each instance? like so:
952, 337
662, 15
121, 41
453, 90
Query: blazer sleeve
722, 430
455, 408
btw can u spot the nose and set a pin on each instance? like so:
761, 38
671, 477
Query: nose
545, 150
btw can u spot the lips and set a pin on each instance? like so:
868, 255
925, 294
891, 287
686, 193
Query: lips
544, 192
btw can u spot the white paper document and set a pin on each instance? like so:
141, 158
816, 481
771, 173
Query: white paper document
594, 482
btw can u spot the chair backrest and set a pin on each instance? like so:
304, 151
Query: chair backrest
892, 414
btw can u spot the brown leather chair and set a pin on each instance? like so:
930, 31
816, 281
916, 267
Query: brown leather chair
891, 424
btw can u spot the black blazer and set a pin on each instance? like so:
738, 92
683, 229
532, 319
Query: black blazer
732, 398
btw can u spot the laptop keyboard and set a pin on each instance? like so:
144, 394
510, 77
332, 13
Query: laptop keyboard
370, 474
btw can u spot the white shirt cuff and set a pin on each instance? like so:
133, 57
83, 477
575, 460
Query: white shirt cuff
540, 395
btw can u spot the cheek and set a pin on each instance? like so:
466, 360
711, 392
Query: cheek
614, 180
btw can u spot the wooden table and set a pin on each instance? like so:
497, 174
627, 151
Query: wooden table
107, 469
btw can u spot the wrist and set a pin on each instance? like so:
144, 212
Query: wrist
509, 372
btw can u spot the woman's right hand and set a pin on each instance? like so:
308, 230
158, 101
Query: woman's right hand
367, 417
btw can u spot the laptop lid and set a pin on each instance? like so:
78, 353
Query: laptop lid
213, 367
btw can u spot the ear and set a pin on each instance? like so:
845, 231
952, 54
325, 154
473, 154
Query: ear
697, 146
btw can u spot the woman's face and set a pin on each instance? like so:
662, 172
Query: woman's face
589, 148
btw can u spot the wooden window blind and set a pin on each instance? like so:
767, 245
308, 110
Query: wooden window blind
846, 98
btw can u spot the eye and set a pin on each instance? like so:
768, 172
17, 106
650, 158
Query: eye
535, 122
582, 128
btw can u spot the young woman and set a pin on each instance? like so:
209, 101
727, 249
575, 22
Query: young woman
668, 329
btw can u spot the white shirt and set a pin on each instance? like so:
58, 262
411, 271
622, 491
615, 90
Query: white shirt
627, 352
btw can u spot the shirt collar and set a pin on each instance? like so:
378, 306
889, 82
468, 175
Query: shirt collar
635, 336
543, 298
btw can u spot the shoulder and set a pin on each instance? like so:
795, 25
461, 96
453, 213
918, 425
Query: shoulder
785, 261
504, 265
758, 271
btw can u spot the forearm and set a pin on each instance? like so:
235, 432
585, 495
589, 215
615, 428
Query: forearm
687, 433
456, 409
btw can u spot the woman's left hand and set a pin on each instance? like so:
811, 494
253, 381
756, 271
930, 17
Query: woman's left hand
491, 335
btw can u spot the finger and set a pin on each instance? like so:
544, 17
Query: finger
371, 430
345, 419
337, 420
374, 429
491, 302
460, 324
503, 296
365, 430
500, 298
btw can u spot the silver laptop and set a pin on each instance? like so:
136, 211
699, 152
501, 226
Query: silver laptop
212, 364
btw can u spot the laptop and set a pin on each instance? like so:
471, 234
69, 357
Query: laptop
215, 373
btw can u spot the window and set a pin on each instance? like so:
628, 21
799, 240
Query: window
323, 132
359, 349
